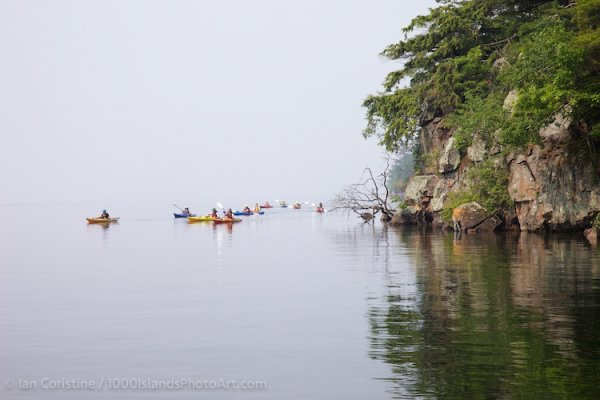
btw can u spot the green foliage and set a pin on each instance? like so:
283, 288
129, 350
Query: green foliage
396, 114
429, 161
545, 74
486, 184
478, 115
548, 53
399, 202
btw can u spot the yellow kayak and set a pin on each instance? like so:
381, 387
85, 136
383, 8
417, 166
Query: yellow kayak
205, 218
101, 220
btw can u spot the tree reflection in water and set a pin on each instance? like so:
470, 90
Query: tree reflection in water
498, 316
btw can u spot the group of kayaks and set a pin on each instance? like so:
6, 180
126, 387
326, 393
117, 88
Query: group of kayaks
258, 210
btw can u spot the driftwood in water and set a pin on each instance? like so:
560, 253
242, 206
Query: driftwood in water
367, 198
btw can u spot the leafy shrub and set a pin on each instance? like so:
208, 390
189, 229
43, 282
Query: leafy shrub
486, 184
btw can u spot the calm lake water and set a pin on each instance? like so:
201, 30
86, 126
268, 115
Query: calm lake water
314, 306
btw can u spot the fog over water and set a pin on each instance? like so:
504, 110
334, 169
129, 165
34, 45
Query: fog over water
138, 100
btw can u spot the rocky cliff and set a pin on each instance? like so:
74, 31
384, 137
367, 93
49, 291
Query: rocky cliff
553, 185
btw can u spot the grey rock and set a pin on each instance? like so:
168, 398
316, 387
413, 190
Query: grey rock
419, 190
477, 151
450, 159
440, 194
510, 101
558, 130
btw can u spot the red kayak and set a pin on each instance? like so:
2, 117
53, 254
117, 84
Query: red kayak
319, 210
266, 206
227, 220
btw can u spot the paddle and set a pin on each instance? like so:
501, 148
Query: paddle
176, 206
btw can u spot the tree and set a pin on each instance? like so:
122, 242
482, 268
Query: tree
465, 52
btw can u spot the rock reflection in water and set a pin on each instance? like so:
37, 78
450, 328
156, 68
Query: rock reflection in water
498, 316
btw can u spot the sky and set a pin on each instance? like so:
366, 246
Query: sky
186, 100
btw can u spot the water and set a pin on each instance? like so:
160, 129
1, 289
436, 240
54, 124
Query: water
314, 306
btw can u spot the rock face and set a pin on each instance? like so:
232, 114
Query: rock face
405, 216
477, 151
419, 190
555, 186
522, 185
440, 194
557, 132
450, 159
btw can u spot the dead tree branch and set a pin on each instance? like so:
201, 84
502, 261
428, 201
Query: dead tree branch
369, 197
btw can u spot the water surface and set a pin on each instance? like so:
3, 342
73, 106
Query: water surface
316, 306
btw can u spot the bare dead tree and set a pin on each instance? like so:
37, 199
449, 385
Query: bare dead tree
369, 197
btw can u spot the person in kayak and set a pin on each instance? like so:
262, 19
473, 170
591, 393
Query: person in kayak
247, 209
186, 211
229, 214
256, 208
214, 213
104, 215
267, 205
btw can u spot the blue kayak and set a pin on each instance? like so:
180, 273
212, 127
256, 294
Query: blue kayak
183, 215
247, 214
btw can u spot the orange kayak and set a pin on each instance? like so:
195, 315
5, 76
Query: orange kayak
227, 220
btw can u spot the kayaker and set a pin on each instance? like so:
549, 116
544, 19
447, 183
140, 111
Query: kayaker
214, 213
247, 209
104, 215
267, 205
229, 214
256, 208
186, 211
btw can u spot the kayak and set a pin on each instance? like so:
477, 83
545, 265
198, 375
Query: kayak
183, 215
319, 210
297, 206
247, 213
227, 220
283, 206
266, 206
205, 218
101, 220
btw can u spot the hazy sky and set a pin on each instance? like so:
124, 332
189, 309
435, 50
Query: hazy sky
183, 100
